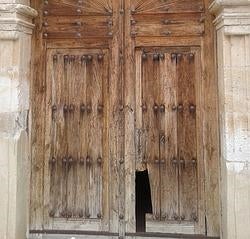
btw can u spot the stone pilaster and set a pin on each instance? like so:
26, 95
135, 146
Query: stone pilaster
15, 48
233, 55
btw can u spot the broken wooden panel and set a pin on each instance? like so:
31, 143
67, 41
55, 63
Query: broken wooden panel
171, 25
168, 138
166, 6
150, 124
74, 8
187, 145
66, 27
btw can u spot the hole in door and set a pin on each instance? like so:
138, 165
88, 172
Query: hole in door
143, 200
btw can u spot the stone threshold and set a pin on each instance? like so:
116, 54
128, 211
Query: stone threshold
63, 234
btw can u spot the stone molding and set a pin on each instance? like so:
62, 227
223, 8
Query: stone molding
15, 19
232, 15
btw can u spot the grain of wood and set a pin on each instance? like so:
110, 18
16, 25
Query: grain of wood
101, 196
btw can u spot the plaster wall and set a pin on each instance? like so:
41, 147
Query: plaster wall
15, 44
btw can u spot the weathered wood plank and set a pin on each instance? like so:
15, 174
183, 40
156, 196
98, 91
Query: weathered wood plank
187, 149
168, 139
150, 95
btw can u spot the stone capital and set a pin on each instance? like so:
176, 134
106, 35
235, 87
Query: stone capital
15, 19
232, 15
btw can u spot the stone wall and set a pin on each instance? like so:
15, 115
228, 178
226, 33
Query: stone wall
15, 45
233, 50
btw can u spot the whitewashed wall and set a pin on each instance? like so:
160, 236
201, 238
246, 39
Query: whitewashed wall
15, 47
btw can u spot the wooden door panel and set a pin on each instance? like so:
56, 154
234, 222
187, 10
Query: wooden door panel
166, 106
167, 6
68, 27
74, 8
187, 145
76, 135
167, 25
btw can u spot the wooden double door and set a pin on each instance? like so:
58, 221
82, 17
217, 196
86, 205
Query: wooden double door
119, 88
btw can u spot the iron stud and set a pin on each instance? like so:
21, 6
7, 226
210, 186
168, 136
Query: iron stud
89, 108
99, 160
90, 58
82, 108
45, 13
144, 107
71, 160
52, 213
121, 107
100, 57
162, 108
99, 215
71, 108
64, 160
45, 24
121, 216
100, 109
173, 56
194, 161
180, 107
175, 217
83, 58
81, 214
78, 11
155, 108
54, 108
161, 56
45, 34
192, 108
157, 160
133, 22
81, 161
53, 160
174, 161
88, 160
155, 56
46, 2
121, 161
167, 33
88, 215
144, 56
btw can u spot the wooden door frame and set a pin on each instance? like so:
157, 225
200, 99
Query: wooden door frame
210, 138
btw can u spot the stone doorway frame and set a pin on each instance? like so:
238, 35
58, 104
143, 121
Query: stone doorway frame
233, 42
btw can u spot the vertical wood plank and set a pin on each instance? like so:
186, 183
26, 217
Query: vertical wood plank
168, 139
115, 137
81, 107
187, 147
151, 126
37, 121
211, 126
129, 124
73, 134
